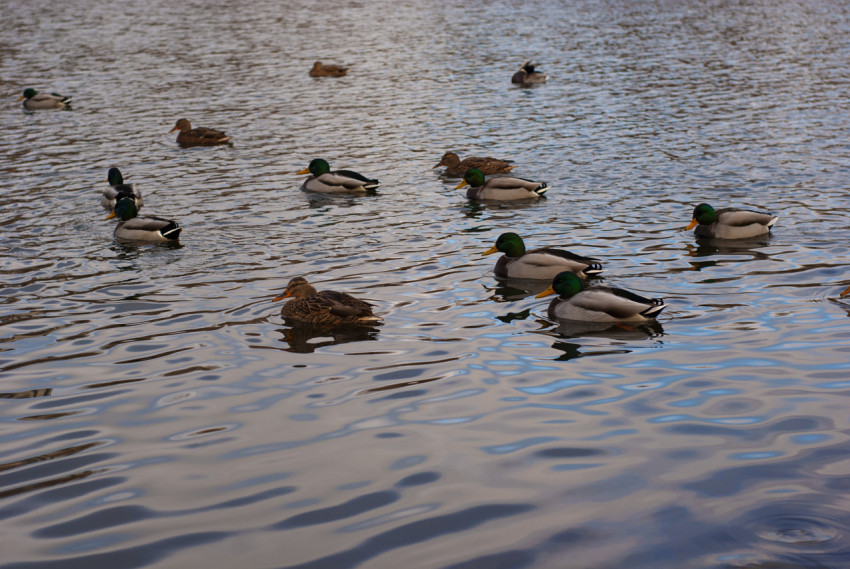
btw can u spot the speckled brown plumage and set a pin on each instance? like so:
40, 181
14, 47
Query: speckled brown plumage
325, 308
455, 167
320, 70
199, 136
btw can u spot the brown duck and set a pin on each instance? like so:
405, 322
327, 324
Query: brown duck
320, 70
199, 136
324, 308
456, 168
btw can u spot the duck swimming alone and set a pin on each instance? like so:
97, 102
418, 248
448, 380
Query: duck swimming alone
147, 228
540, 264
325, 308
339, 181
501, 188
598, 303
117, 188
730, 223
527, 75
320, 70
456, 168
34, 101
199, 136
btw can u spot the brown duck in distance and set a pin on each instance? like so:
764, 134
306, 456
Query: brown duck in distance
323, 308
320, 70
199, 136
456, 168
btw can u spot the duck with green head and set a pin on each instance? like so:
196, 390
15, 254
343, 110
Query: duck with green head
148, 228
541, 264
34, 101
339, 181
598, 303
118, 189
730, 223
501, 188
324, 308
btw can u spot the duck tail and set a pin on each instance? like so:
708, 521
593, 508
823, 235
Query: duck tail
654, 310
593, 269
371, 185
542, 188
171, 231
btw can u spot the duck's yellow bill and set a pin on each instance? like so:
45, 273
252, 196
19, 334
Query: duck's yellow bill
490, 251
304, 171
462, 184
110, 216
692, 224
22, 97
546, 292
846, 292
172, 130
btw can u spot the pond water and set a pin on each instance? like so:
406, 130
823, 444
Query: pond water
156, 411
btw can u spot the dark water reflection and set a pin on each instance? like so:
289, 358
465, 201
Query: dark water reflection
158, 412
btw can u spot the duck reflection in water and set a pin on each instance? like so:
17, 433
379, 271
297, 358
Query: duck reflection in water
307, 338
620, 333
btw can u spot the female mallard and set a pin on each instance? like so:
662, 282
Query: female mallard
598, 303
199, 136
503, 188
325, 308
118, 189
323, 180
320, 70
456, 168
40, 101
527, 75
541, 264
730, 223
142, 228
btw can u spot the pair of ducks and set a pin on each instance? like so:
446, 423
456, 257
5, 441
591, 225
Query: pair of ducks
565, 270
473, 170
124, 202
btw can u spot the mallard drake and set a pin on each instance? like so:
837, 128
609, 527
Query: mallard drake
325, 308
147, 228
199, 136
527, 75
456, 168
503, 188
598, 303
730, 223
320, 70
323, 180
33, 100
540, 264
117, 188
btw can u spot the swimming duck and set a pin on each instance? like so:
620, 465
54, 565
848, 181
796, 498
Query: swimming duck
325, 308
199, 136
147, 228
527, 75
320, 70
540, 264
456, 168
40, 101
730, 223
502, 188
117, 188
323, 180
598, 303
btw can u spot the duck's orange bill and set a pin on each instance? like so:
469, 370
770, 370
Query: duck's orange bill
172, 130
281, 297
22, 97
846, 292
546, 292
462, 184
304, 171
490, 251
692, 224
110, 216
